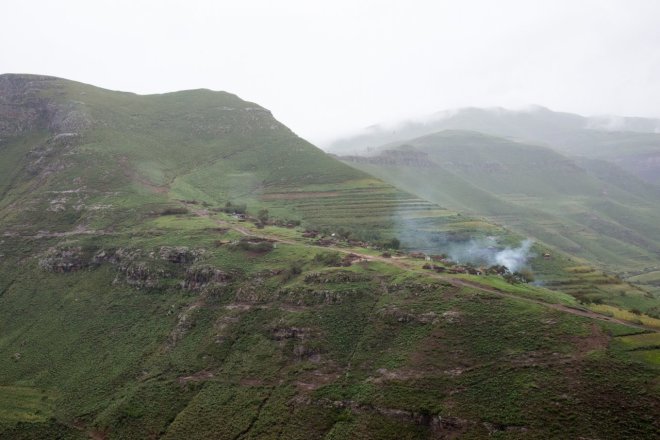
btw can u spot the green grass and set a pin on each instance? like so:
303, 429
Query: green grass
166, 328
386, 341
25, 404
534, 191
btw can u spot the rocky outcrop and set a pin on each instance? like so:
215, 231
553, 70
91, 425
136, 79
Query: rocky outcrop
197, 278
180, 254
301, 296
141, 274
63, 260
283, 333
34, 103
139, 268
47, 157
442, 427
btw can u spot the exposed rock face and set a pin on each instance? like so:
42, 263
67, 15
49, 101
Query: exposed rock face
63, 260
411, 158
138, 268
179, 254
21, 107
202, 276
646, 166
30, 103
300, 296
47, 157
441, 427
140, 274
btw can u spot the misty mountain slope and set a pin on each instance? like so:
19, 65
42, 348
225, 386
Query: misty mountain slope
631, 143
597, 212
637, 153
135, 303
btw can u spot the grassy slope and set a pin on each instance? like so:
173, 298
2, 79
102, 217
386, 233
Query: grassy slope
119, 348
594, 211
141, 153
371, 351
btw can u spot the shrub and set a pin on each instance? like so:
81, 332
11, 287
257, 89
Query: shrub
174, 211
393, 244
329, 258
260, 247
262, 215
293, 271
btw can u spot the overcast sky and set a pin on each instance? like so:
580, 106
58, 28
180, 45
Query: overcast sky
324, 67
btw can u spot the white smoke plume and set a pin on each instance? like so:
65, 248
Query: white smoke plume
487, 252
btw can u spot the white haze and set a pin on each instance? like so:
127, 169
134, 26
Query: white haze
487, 252
327, 67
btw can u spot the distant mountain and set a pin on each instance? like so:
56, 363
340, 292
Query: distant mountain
585, 207
632, 143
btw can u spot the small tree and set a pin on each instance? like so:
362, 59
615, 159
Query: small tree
262, 215
393, 243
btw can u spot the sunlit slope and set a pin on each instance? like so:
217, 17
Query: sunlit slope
590, 209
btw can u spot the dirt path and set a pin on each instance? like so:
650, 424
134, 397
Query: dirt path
561, 307
401, 264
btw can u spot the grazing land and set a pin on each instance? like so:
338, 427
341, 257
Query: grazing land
184, 266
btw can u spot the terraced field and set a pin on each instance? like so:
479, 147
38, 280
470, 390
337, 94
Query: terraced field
610, 219
375, 209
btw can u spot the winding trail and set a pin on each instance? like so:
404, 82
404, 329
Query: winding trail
457, 282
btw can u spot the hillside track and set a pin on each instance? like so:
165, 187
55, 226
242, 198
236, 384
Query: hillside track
457, 282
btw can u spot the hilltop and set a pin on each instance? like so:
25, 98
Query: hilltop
184, 266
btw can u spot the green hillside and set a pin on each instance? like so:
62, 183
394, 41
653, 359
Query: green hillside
100, 160
533, 190
590, 209
145, 293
